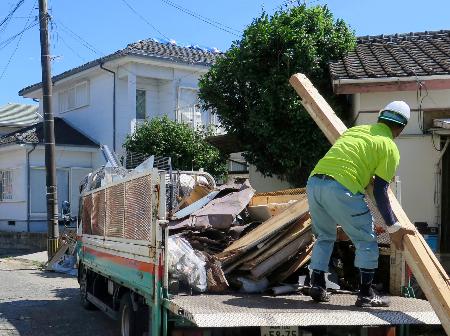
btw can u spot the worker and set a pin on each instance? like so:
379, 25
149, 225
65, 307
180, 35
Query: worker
362, 155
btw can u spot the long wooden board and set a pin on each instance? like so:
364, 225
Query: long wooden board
294, 233
267, 229
429, 273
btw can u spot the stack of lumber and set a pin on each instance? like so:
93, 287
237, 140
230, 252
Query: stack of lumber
276, 248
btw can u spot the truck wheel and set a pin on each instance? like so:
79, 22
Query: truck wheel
127, 317
83, 290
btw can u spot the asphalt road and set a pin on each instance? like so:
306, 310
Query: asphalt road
34, 302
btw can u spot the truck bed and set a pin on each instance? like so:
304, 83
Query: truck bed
295, 310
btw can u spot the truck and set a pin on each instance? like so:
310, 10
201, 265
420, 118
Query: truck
123, 232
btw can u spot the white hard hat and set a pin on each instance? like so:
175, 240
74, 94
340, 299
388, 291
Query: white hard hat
397, 111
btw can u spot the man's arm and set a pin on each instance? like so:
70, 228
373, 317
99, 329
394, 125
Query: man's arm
396, 231
380, 188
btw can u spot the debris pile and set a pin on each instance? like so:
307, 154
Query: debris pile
246, 240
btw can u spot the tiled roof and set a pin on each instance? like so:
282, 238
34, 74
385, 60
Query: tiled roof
18, 115
399, 55
64, 135
151, 48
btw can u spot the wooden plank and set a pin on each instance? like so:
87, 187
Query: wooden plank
281, 256
260, 200
429, 273
286, 270
269, 228
396, 272
295, 232
62, 250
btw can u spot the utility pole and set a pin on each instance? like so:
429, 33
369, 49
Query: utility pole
49, 133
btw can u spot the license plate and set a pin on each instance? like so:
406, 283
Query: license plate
279, 331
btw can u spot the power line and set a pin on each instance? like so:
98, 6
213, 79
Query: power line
18, 43
10, 39
144, 19
211, 22
8, 17
80, 39
11, 13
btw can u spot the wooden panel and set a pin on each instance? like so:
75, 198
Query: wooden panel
258, 200
267, 229
429, 273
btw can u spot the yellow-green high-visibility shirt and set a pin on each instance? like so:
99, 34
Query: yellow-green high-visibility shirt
359, 154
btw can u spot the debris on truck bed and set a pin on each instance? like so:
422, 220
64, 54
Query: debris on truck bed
248, 240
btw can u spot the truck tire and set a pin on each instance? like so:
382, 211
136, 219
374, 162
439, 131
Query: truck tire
127, 317
85, 303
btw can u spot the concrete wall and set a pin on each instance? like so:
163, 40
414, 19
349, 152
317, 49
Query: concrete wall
265, 184
24, 241
418, 155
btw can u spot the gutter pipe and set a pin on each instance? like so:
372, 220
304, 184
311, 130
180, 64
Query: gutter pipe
437, 192
388, 79
29, 187
114, 105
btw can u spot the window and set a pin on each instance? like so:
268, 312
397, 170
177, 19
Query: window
74, 97
140, 104
6, 185
188, 108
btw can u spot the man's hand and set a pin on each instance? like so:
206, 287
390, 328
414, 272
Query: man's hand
397, 237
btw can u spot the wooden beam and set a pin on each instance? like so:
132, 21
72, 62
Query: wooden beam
350, 88
429, 273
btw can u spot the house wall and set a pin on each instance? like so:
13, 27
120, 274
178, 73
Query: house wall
418, 155
77, 162
265, 184
161, 83
14, 158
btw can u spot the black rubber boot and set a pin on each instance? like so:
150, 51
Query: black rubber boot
367, 297
318, 291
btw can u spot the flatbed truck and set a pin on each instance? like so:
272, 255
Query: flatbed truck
122, 270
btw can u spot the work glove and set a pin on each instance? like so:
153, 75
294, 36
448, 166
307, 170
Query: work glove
396, 233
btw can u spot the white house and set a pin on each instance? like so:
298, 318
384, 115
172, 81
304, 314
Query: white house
22, 182
101, 101
107, 97
415, 68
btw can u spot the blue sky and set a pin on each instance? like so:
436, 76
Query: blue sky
84, 30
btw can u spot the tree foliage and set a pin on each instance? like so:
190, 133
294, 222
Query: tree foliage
250, 91
187, 147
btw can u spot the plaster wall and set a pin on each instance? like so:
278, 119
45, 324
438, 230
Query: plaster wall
418, 155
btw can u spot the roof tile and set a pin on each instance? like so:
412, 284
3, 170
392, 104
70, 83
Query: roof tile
64, 135
399, 55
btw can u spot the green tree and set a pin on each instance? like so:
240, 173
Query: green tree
187, 147
249, 87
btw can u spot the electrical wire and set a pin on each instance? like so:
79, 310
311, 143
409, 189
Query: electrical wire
5, 43
8, 17
211, 22
80, 39
144, 19
18, 43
